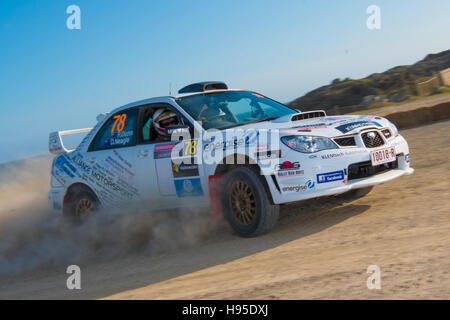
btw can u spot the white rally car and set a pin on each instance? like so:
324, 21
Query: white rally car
236, 152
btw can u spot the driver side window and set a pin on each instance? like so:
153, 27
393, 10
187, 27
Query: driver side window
148, 130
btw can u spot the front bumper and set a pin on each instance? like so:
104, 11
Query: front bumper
334, 164
354, 184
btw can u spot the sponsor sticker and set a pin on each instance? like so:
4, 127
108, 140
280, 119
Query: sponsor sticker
111, 177
119, 138
164, 147
190, 147
290, 173
300, 187
370, 117
163, 150
63, 164
332, 155
352, 152
407, 158
307, 127
188, 187
54, 145
228, 144
354, 125
288, 165
330, 176
262, 147
271, 154
182, 170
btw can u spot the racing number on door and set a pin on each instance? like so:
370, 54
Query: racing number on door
190, 148
119, 124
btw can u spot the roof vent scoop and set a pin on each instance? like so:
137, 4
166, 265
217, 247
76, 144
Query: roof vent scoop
204, 86
308, 115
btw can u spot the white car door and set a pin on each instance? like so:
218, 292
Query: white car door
162, 183
109, 163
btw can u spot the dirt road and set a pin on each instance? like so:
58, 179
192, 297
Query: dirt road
428, 101
320, 250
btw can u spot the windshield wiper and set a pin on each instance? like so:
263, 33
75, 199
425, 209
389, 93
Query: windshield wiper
245, 123
264, 119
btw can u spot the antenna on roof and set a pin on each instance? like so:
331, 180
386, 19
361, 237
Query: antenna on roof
170, 88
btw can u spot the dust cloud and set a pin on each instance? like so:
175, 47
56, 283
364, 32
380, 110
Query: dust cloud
31, 236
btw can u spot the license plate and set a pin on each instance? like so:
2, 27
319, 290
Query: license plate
383, 156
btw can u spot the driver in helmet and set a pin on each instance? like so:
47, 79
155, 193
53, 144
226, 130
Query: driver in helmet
211, 110
163, 118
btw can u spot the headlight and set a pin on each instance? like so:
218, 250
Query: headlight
393, 129
308, 144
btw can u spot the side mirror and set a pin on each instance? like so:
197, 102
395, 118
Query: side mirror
179, 129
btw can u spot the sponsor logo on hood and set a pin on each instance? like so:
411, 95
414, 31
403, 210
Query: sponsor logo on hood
355, 125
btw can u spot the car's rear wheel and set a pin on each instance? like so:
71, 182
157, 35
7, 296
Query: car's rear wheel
246, 203
355, 194
82, 205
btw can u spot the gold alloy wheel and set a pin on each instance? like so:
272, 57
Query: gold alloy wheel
242, 202
85, 207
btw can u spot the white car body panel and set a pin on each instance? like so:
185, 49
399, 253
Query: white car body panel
143, 176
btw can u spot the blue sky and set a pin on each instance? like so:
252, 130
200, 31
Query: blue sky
53, 78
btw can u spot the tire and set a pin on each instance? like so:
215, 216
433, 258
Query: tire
355, 194
81, 205
246, 203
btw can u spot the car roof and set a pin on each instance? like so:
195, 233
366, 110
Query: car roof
167, 99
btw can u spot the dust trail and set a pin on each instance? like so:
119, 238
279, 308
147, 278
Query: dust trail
33, 237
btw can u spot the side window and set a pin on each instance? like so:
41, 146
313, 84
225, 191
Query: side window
119, 131
147, 129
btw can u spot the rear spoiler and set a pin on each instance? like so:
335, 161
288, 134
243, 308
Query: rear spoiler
55, 143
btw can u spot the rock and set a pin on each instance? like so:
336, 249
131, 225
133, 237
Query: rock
372, 99
400, 96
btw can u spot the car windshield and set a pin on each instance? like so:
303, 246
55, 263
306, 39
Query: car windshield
221, 110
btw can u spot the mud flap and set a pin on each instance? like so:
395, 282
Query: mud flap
215, 191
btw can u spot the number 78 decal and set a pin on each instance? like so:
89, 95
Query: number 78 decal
119, 124
190, 147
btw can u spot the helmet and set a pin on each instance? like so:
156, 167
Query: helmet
159, 115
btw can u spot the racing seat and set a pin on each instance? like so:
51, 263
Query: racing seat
152, 133
148, 130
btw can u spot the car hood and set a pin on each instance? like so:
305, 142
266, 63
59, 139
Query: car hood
329, 126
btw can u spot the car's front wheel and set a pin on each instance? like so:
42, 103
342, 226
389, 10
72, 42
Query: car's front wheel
246, 203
